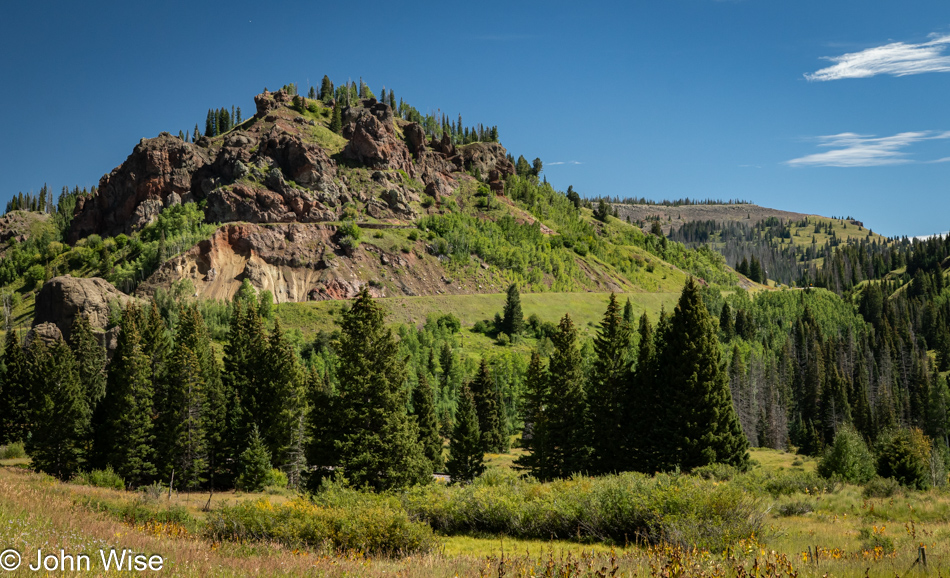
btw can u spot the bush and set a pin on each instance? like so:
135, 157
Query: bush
12, 451
881, 488
365, 522
35, 275
276, 479
873, 539
620, 508
718, 472
848, 458
106, 478
503, 340
793, 482
414, 235
905, 456
449, 322
795, 508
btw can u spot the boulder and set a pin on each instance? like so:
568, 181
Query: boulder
374, 143
63, 298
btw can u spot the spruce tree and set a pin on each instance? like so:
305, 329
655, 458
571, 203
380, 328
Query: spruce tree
57, 444
192, 333
326, 89
466, 457
126, 438
483, 392
91, 357
569, 448
379, 445
282, 396
336, 120
726, 325
640, 404
700, 425
181, 427
322, 428
534, 436
423, 407
254, 464
609, 378
14, 391
512, 318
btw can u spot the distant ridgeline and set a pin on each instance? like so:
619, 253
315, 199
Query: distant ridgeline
810, 252
674, 203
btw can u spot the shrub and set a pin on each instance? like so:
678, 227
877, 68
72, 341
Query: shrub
449, 322
365, 523
795, 508
276, 479
619, 508
12, 451
881, 488
427, 201
414, 235
873, 539
581, 249
106, 478
793, 482
905, 456
848, 458
35, 275
718, 472
503, 339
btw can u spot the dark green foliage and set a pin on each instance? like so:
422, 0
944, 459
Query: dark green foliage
466, 453
512, 321
91, 359
126, 440
534, 436
700, 425
379, 446
57, 444
609, 378
641, 403
424, 410
336, 120
568, 440
904, 455
727, 326
254, 464
486, 407
522, 168
181, 426
602, 212
14, 391
848, 458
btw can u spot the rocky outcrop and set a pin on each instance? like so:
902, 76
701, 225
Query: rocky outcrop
486, 157
132, 194
273, 170
63, 298
373, 141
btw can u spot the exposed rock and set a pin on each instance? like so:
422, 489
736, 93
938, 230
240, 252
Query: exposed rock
487, 157
63, 298
156, 169
415, 138
49, 333
268, 101
373, 142
19, 225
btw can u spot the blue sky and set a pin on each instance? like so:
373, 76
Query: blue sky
828, 107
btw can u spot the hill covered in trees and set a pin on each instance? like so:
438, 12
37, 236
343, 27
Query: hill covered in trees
226, 367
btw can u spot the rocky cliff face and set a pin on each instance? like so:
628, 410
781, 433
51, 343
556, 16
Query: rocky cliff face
303, 262
272, 169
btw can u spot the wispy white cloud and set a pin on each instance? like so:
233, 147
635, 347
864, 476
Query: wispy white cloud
855, 150
565, 163
896, 59
926, 237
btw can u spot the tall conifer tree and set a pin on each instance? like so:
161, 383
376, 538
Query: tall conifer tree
483, 391
567, 431
423, 407
609, 378
466, 457
534, 436
700, 425
379, 445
